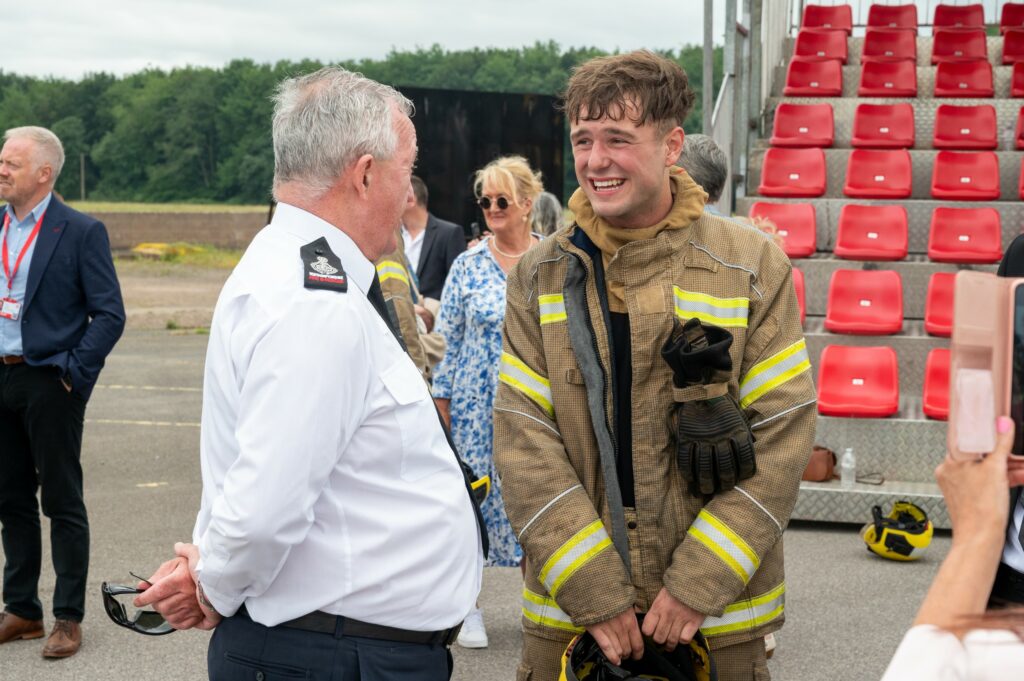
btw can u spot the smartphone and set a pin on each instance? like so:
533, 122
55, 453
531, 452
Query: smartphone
1017, 371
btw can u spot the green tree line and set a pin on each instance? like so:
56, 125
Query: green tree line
203, 134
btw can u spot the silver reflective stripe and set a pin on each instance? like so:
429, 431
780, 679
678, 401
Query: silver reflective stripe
545, 611
726, 544
573, 555
773, 372
552, 308
513, 372
748, 614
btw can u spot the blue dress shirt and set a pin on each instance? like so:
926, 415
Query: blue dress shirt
17, 233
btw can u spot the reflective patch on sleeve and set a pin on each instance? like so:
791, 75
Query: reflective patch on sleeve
552, 308
514, 373
574, 554
389, 269
724, 312
726, 544
545, 612
748, 614
773, 372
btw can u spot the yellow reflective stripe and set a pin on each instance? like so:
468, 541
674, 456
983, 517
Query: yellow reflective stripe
726, 312
574, 554
773, 372
545, 611
389, 269
748, 614
552, 308
513, 372
726, 544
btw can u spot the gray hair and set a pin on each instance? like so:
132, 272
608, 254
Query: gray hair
325, 120
547, 214
706, 163
49, 150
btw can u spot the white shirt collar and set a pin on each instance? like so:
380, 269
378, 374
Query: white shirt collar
309, 227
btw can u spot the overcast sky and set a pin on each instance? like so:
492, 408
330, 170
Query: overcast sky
68, 38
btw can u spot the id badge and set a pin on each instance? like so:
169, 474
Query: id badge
10, 309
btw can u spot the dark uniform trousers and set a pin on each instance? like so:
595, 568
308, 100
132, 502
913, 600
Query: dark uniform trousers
40, 449
243, 649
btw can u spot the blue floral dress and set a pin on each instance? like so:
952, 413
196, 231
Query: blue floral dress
471, 317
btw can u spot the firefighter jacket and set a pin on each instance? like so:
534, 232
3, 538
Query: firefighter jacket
587, 560
400, 295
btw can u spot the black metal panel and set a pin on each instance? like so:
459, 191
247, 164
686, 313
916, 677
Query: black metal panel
459, 132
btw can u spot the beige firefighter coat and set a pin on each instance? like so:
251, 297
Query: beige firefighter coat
721, 555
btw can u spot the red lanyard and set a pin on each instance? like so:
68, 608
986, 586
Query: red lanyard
24, 249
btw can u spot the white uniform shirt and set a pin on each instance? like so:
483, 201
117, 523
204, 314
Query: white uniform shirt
413, 247
328, 483
1013, 553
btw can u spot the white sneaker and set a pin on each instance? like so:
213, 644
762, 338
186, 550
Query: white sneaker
473, 634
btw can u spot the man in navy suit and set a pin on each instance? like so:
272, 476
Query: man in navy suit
431, 244
60, 316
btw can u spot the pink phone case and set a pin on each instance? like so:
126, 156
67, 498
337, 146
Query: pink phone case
982, 342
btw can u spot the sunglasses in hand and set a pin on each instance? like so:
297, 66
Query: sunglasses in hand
148, 622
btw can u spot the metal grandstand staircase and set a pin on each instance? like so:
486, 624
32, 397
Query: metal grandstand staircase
980, 169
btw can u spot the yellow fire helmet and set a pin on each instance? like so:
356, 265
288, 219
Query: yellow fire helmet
901, 535
584, 661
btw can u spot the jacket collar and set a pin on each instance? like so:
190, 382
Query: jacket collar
54, 223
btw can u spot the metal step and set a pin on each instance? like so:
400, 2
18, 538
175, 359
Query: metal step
828, 502
1001, 76
919, 215
843, 111
922, 162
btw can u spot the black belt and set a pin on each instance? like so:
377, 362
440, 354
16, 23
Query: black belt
338, 626
1009, 585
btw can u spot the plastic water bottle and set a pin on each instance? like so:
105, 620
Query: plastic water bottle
848, 469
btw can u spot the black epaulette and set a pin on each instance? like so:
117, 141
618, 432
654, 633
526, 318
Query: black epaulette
321, 268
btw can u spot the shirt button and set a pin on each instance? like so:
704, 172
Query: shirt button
631, 524
260, 676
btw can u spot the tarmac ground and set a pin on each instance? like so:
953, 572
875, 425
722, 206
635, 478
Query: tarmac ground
846, 609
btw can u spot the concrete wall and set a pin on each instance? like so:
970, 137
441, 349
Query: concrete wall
224, 230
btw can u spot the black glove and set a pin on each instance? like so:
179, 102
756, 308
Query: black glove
714, 444
697, 353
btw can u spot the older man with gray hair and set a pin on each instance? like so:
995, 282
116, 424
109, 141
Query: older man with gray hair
706, 163
337, 536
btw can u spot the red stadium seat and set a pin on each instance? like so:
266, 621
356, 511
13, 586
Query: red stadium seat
802, 125
1018, 136
959, 46
966, 176
878, 174
938, 305
871, 233
838, 17
883, 126
883, 44
1012, 16
793, 172
893, 16
794, 222
959, 17
865, 302
814, 79
888, 79
798, 284
1013, 46
964, 79
858, 381
936, 384
965, 127
816, 43
1017, 80
965, 235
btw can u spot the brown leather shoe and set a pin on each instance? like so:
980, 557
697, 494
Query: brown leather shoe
13, 628
65, 639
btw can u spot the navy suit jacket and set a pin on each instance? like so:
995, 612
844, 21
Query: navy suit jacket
72, 314
442, 243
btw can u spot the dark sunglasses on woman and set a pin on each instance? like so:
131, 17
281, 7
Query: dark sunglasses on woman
146, 622
485, 202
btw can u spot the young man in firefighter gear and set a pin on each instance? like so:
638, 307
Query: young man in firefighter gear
656, 406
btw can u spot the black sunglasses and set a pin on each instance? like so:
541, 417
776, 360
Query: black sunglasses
485, 202
146, 622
